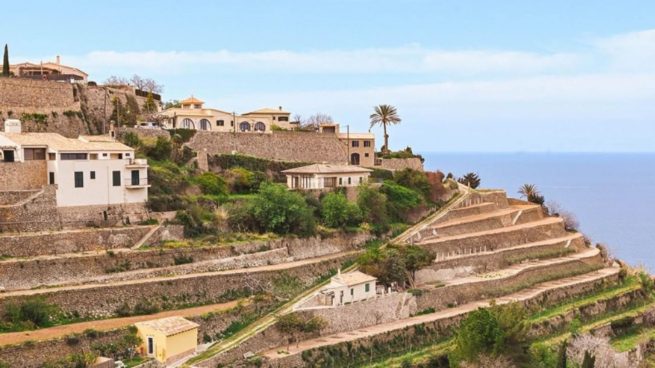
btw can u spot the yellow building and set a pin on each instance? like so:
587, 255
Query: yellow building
168, 340
361, 146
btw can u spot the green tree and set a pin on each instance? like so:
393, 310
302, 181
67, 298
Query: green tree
5, 62
131, 139
479, 333
384, 115
395, 263
337, 211
414, 179
470, 179
561, 355
531, 193
399, 198
278, 210
293, 324
374, 208
149, 106
161, 150
416, 258
211, 184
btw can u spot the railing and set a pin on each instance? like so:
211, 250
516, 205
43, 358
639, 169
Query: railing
138, 162
136, 182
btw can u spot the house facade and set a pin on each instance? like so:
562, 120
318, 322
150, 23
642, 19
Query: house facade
88, 171
351, 287
193, 115
48, 70
168, 340
361, 146
326, 176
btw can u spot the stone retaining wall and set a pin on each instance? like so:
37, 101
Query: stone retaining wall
37, 214
448, 296
72, 241
12, 197
491, 223
23, 175
394, 164
142, 133
173, 293
22, 92
278, 146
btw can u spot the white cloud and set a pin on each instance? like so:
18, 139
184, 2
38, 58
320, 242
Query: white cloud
633, 51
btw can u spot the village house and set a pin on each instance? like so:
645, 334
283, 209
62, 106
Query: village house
48, 70
168, 340
88, 171
361, 146
193, 115
326, 176
344, 288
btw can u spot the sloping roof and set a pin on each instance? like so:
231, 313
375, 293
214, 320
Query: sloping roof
326, 169
192, 101
58, 142
353, 278
170, 325
266, 110
48, 65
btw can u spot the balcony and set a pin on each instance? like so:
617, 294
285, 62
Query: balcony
136, 183
136, 163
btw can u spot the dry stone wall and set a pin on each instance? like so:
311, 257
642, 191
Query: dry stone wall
38, 213
53, 243
395, 164
22, 175
277, 146
19, 92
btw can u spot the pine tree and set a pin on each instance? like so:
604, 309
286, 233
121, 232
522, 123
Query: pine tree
5, 62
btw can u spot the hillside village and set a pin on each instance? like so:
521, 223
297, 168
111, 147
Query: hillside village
141, 233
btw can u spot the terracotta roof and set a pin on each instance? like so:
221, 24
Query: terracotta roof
266, 110
191, 101
326, 169
58, 142
170, 325
353, 278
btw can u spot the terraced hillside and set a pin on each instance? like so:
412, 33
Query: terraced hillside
488, 249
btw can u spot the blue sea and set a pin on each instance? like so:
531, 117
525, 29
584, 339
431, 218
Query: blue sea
612, 195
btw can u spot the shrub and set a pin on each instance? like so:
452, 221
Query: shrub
337, 211
242, 180
211, 184
161, 150
131, 139
276, 209
373, 205
35, 311
400, 199
414, 179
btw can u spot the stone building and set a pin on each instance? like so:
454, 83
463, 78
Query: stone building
326, 176
168, 340
48, 71
193, 115
344, 288
88, 171
360, 146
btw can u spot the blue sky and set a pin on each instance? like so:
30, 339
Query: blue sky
472, 76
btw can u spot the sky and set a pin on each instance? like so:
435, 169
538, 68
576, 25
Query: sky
465, 76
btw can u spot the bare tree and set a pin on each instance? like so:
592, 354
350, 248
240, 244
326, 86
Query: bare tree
316, 120
146, 84
115, 80
570, 221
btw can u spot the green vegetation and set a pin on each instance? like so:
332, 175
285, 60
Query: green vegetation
385, 115
338, 212
471, 180
5, 62
294, 324
531, 193
76, 360
395, 263
33, 313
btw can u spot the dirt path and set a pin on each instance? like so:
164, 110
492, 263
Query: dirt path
462, 309
107, 324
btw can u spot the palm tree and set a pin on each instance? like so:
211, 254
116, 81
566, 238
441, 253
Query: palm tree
531, 193
384, 115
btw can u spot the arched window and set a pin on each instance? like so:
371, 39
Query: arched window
204, 124
244, 126
354, 159
188, 124
260, 127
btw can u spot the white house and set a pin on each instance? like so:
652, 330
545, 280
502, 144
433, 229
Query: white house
349, 288
326, 176
88, 171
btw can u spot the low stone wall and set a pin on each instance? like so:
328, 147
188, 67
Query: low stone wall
37, 214
382, 309
394, 164
490, 223
448, 296
278, 146
13, 197
174, 292
102, 215
497, 240
484, 261
23, 175
71, 241
142, 133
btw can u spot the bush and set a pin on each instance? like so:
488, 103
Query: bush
373, 205
161, 150
131, 139
211, 184
276, 209
337, 211
243, 181
416, 180
400, 199
34, 311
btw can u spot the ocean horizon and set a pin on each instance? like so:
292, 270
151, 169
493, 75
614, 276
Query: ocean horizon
611, 194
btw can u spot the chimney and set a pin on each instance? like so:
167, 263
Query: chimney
58, 60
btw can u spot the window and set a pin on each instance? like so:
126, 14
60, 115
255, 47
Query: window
273, 118
340, 181
93, 156
79, 179
136, 180
73, 156
260, 127
352, 291
367, 288
51, 178
127, 154
283, 118
52, 156
31, 154
104, 154
204, 124
92, 175
232, 123
366, 154
220, 122
367, 143
8, 156
355, 143
244, 126
188, 124
116, 178
349, 180
361, 180
151, 346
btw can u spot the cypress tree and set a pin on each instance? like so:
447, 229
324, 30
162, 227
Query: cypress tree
5, 62
561, 359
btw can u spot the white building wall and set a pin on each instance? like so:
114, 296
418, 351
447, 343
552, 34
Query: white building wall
98, 191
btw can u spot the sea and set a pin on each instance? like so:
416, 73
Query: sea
612, 195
